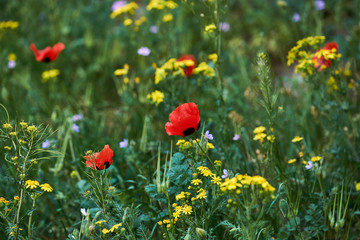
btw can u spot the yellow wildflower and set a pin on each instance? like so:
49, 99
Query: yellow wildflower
259, 129
7, 126
121, 71
168, 18
196, 182
115, 227
213, 57
128, 8
52, 73
140, 21
23, 124
127, 22
31, 129
105, 231
316, 159
210, 146
31, 184
357, 186
46, 187
12, 57
216, 180
187, 210
210, 28
291, 161
156, 97
296, 139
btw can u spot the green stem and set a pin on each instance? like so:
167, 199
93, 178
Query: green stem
30, 218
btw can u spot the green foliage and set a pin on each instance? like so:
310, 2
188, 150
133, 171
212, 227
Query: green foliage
253, 180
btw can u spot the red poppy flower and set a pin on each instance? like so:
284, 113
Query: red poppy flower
100, 160
184, 120
189, 69
48, 54
320, 62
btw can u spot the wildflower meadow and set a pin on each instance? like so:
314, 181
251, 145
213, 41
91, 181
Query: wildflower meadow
180, 119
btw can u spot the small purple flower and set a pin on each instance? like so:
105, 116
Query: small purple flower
117, 4
208, 135
11, 64
75, 128
236, 137
225, 27
45, 144
154, 29
309, 166
296, 17
225, 174
319, 5
144, 51
77, 117
123, 143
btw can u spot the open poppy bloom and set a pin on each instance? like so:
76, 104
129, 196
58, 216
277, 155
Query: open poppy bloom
184, 120
327, 50
188, 70
100, 160
48, 54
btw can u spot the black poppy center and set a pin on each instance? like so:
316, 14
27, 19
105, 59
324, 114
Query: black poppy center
106, 165
47, 59
188, 131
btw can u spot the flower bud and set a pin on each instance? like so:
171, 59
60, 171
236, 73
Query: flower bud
201, 233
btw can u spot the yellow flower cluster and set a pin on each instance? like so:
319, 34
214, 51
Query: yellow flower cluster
3, 200
332, 84
122, 71
295, 52
297, 139
128, 8
173, 66
167, 222
178, 210
168, 18
182, 195
213, 57
7, 126
32, 184
9, 24
176, 68
316, 158
260, 135
206, 172
236, 183
210, 28
156, 97
308, 61
205, 69
326, 54
160, 5
31, 129
112, 229
52, 73
183, 144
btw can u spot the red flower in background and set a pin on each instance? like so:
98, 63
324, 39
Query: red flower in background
189, 69
100, 160
48, 54
184, 120
320, 62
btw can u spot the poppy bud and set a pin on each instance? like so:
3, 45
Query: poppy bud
201, 233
